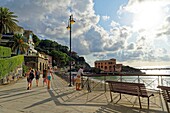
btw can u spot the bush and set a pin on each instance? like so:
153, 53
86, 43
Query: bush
25, 69
9, 64
5, 52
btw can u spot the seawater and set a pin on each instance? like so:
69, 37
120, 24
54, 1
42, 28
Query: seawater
151, 82
156, 71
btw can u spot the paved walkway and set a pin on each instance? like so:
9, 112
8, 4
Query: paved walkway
14, 98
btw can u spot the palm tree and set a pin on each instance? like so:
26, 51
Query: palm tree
7, 21
19, 44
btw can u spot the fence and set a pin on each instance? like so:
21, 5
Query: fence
97, 81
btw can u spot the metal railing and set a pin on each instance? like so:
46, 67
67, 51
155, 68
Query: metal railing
97, 81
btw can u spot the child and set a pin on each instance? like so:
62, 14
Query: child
78, 78
78, 82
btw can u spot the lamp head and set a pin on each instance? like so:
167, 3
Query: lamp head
68, 27
72, 21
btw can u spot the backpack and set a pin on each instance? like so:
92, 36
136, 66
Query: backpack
37, 73
31, 75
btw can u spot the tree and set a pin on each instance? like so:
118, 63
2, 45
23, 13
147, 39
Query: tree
19, 44
36, 40
61, 58
0, 36
7, 21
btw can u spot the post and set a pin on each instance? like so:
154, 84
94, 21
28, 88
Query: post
71, 21
70, 51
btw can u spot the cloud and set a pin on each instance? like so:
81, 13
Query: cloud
165, 29
131, 46
49, 19
105, 18
114, 24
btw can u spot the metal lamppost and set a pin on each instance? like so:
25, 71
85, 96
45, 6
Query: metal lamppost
71, 21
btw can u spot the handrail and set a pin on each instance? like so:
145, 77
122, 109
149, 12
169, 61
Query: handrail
152, 83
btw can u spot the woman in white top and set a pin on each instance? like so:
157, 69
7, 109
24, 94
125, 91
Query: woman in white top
49, 75
78, 78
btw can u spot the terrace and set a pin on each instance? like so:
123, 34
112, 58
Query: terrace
15, 98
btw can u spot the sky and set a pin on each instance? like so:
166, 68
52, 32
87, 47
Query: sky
134, 32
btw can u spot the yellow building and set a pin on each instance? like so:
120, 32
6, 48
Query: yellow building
106, 65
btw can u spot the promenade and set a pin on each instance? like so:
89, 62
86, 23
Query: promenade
14, 98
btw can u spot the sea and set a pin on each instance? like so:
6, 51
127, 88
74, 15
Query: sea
155, 75
155, 69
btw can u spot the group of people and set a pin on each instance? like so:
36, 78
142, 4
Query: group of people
47, 75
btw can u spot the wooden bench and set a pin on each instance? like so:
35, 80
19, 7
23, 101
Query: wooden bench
135, 89
166, 95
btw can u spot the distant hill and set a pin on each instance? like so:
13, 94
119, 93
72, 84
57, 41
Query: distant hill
130, 69
60, 54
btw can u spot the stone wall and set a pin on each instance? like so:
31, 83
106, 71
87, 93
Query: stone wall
13, 76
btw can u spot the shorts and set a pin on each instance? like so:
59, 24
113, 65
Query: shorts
45, 80
49, 77
78, 80
29, 80
37, 77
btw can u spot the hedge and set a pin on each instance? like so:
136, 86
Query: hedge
9, 64
5, 52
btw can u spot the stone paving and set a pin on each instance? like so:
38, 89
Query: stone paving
14, 98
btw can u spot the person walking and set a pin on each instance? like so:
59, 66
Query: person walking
30, 78
37, 76
78, 78
49, 76
44, 77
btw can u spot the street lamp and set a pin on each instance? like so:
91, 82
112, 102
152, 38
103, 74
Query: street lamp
71, 21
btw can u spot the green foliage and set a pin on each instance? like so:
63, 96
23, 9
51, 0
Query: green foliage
7, 20
61, 58
0, 36
59, 53
5, 52
95, 70
130, 69
19, 44
9, 64
25, 69
52, 45
36, 40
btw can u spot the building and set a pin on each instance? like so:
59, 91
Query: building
106, 65
36, 62
32, 57
7, 40
29, 40
118, 67
49, 58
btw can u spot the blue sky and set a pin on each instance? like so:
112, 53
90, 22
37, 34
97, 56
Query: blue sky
109, 10
134, 32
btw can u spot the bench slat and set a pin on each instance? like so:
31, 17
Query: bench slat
166, 95
128, 88
135, 89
